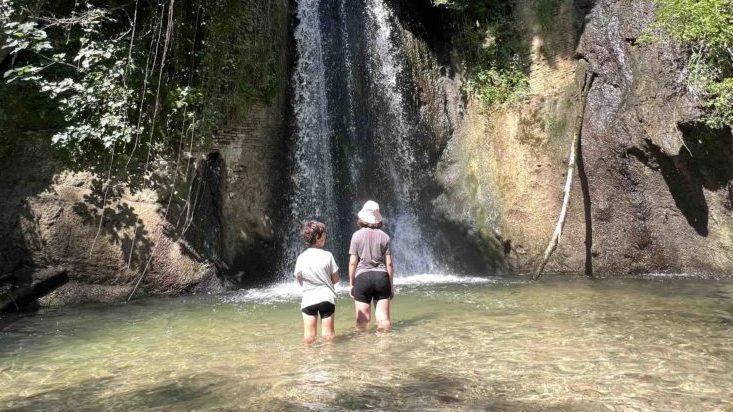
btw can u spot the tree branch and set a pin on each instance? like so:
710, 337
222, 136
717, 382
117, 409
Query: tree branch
587, 83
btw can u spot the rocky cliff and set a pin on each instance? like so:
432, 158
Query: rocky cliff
653, 190
107, 234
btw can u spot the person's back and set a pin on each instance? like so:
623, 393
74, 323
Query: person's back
371, 246
371, 270
317, 273
315, 267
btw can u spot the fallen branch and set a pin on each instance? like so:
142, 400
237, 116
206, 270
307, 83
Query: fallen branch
587, 83
17, 300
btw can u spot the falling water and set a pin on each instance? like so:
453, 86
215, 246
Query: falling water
355, 162
395, 130
312, 179
354, 133
411, 245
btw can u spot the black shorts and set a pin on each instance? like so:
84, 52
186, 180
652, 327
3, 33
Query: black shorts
324, 309
373, 285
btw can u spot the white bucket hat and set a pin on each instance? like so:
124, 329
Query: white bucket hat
369, 213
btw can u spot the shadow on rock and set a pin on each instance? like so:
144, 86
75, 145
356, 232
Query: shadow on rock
702, 163
117, 221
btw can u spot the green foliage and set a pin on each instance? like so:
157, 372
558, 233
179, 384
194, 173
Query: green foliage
495, 57
241, 62
82, 59
480, 9
546, 11
137, 78
706, 27
86, 79
499, 86
708, 22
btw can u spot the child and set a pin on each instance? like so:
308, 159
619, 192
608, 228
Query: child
317, 273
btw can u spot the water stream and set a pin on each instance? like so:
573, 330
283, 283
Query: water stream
313, 177
459, 344
355, 135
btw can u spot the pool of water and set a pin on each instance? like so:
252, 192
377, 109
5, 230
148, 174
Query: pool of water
458, 344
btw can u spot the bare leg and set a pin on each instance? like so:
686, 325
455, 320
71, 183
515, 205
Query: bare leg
384, 322
328, 327
310, 328
363, 315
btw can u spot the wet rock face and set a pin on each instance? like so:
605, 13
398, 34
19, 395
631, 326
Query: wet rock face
659, 178
250, 193
439, 100
658, 181
252, 185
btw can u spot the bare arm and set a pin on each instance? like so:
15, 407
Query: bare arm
390, 271
335, 278
353, 261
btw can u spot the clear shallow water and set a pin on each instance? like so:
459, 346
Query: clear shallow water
493, 344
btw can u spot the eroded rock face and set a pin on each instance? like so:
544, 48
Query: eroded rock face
102, 236
658, 181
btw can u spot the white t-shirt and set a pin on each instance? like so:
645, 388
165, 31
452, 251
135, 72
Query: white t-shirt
316, 266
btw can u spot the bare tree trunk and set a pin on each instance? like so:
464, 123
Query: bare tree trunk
587, 83
17, 300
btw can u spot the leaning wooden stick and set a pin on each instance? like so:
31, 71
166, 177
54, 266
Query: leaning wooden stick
587, 82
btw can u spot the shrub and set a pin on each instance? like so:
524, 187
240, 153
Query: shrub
490, 46
706, 28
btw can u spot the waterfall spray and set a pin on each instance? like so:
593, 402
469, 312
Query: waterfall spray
369, 122
313, 194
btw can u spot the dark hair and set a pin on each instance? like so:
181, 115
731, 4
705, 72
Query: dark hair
312, 230
362, 223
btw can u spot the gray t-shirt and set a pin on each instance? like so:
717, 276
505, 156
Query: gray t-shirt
316, 266
371, 246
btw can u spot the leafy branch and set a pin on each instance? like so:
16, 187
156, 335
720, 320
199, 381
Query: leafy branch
705, 27
91, 90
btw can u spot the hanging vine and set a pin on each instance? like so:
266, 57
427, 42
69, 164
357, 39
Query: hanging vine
139, 88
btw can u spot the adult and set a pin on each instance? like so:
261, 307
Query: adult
371, 270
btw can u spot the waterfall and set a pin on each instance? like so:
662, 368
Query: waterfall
354, 133
355, 162
312, 179
396, 149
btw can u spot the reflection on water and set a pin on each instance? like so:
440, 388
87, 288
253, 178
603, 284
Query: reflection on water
559, 345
